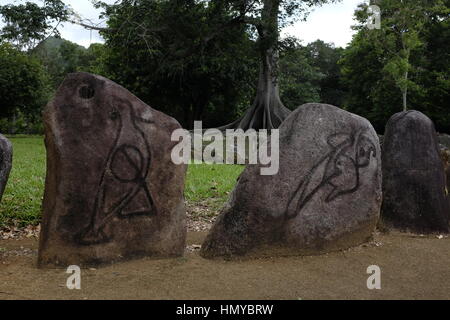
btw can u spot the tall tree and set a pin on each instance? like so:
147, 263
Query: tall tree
434, 75
267, 17
264, 18
368, 61
188, 58
402, 22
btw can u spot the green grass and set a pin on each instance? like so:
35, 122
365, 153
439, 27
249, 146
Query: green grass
21, 204
210, 184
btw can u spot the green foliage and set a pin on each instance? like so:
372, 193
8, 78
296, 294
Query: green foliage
181, 57
199, 57
24, 87
407, 56
311, 74
28, 24
61, 57
299, 80
200, 60
211, 184
325, 57
93, 59
49, 54
22, 123
21, 203
434, 73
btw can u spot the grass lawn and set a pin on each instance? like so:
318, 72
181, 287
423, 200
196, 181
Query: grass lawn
21, 204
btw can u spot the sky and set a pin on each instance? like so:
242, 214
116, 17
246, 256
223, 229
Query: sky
330, 23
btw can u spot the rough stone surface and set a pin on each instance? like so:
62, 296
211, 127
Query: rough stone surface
326, 195
112, 191
5, 162
444, 146
415, 198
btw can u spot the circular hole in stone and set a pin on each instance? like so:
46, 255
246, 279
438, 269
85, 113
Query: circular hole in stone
86, 92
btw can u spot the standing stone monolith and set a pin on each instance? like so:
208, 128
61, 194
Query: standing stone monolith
326, 195
415, 197
112, 191
6, 152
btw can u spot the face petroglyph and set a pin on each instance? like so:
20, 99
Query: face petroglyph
340, 169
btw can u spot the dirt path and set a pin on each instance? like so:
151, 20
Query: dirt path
412, 267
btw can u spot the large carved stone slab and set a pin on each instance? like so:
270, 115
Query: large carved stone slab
112, 191
326, 195
5, 163
415, 196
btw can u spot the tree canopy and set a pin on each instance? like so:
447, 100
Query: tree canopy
26, 25
166, 53
394, 68
24, 84
222, 60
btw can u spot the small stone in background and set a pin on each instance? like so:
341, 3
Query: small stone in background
6, 153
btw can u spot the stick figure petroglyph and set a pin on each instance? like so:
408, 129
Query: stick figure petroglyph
340, 169
123, 190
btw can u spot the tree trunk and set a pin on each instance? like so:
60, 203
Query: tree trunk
405, 93
267, 111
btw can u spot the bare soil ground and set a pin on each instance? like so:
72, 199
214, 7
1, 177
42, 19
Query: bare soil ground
413, 267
